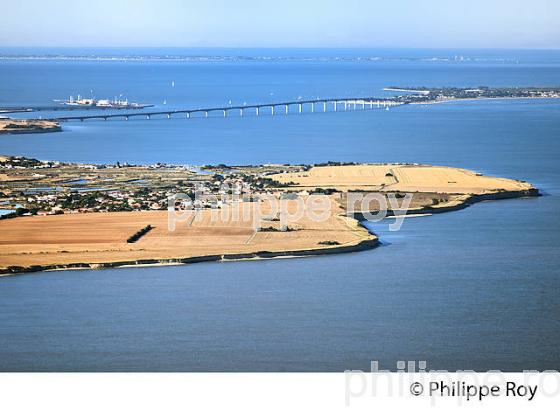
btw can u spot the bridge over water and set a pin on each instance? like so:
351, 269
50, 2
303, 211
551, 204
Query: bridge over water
280, 108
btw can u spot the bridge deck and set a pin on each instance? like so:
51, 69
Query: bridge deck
358, 101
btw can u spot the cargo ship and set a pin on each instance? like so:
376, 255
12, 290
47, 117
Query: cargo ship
93, 103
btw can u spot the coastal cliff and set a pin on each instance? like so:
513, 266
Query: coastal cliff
361, 246
459, 204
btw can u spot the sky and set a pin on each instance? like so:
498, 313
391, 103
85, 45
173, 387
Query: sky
281, 23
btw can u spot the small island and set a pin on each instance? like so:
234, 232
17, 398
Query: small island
71, 216
26, 126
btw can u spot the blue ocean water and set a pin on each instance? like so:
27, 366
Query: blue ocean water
475, 289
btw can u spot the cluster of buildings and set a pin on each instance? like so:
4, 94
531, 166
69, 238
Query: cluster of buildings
211, 193
130, 188
44, 203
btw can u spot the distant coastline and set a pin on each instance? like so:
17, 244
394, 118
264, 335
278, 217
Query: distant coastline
249, 58
449, 100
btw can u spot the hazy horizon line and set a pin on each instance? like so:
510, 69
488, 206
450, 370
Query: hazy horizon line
285, 47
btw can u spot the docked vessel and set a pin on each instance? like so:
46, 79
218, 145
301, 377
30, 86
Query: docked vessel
92, 102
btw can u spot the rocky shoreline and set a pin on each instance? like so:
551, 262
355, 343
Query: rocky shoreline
471, 200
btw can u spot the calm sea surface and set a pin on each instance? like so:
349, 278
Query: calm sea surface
475, 289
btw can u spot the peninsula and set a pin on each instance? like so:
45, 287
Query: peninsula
68, 216
424, 95
24, 126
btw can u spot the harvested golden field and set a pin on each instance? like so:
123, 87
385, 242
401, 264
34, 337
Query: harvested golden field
96, 238
406, 178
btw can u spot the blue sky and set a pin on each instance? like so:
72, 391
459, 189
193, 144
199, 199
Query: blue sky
282, 23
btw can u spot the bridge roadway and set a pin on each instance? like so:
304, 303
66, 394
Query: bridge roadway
14, 110
347, 103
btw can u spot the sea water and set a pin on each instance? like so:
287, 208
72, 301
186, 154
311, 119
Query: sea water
474, 289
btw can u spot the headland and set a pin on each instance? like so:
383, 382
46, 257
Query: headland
24, 126
72, 216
